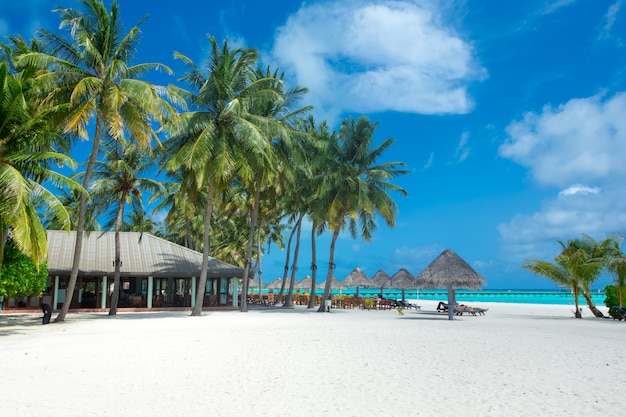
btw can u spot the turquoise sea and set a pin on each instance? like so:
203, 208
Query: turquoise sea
498, 296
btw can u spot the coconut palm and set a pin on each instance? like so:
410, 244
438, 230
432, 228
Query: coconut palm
356, 188
222, 138
27, 135
118, 181
91, 68
576, 267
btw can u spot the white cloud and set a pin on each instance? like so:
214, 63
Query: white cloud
582, 140
375, 56
429, 163
579, 146
462, 150
579, 189
609, 20
596, 213
554, 5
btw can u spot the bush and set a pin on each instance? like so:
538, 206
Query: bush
19, 277
611, 300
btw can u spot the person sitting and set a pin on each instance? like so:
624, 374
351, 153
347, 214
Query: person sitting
442, 306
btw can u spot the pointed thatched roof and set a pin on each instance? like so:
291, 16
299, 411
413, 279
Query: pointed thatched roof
275, 285
357, 278
448, 270
381, 279
334, 283
402, 280
305, 284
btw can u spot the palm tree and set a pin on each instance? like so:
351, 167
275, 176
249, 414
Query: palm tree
27, 135
210, 141
91, 68
575, 267
355, 189
117, 182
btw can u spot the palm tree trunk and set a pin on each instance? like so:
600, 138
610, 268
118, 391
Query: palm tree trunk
118, 262
287, 259
208, 212
331, 267
80, 226
313, 265
259, 255
246, 270
576, 293
591, 304
294, 266
3, 242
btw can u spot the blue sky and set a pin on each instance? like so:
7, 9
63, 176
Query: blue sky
510, 116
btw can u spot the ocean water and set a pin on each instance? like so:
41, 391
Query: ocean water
499, 296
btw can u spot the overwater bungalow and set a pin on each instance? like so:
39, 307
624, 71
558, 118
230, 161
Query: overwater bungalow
154, 274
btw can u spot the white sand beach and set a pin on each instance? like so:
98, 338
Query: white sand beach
517, 360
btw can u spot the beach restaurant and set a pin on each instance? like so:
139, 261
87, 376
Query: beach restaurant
154, 273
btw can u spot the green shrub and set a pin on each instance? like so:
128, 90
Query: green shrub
611, 300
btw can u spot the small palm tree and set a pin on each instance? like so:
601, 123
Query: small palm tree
118, 181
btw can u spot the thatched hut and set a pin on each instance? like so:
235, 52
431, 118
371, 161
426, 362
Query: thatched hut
402, 280
451, 272
381, 280
357, 278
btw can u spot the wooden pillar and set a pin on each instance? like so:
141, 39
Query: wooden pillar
55, 297
235, 292
104, 290
150, 293
194, 290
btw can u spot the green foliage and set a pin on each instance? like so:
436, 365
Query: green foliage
19, 277
611, 300
368, 303
400, 310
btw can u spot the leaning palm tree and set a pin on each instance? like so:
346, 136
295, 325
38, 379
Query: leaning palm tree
91, 68
118, 181
356, 187
27, 135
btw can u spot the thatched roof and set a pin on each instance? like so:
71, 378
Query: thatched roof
448, 270
381, 279
305, 284
334, 283
142, 255
275, 285
357, 278
402, 280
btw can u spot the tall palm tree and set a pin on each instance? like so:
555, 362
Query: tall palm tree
27, 134
118, 181
210, 140
356, 189
91, 68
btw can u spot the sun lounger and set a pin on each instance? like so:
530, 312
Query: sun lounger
462, 308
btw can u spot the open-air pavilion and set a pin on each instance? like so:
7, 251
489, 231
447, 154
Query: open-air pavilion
154, 273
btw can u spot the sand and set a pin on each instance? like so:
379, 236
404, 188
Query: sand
517, 360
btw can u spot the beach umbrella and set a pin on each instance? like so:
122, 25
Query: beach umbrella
402, 280
305, 284
275, 285
334, 283
381, 280
357, 278
451, 272
253, 284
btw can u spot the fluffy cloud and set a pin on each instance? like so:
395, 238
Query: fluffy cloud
583, 140
580, 147
376, 56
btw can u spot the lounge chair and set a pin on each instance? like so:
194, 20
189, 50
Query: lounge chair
462, 308
407, 305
